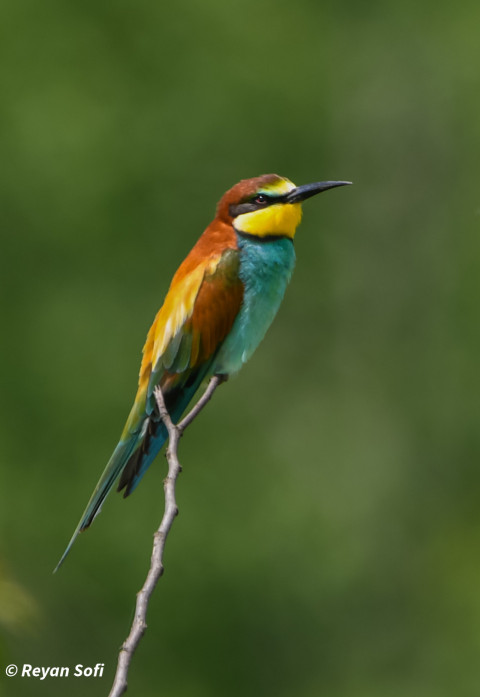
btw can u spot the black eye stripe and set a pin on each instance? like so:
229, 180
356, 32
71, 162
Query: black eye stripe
253, 204
241, 208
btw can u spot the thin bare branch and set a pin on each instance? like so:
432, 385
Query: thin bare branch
139, 623
198, 406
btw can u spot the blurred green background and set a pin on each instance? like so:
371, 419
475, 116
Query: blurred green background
328, 541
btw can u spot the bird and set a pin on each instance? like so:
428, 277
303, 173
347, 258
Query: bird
219, 305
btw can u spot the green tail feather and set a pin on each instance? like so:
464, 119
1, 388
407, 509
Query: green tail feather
132, 456
115, 465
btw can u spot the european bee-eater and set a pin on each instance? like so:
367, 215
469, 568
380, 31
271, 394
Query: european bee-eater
217, 310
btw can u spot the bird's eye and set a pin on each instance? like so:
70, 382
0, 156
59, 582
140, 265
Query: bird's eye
260, 198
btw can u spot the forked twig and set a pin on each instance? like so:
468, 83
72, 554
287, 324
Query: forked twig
139, 623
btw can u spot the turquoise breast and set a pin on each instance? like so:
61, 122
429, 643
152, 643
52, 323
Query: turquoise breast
265, 270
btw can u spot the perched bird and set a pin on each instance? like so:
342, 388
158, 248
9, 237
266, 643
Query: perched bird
218, 308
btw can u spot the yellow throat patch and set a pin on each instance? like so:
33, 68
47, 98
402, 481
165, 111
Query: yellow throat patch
277, 219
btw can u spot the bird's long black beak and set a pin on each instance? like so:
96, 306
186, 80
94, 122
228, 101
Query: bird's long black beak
300, 193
